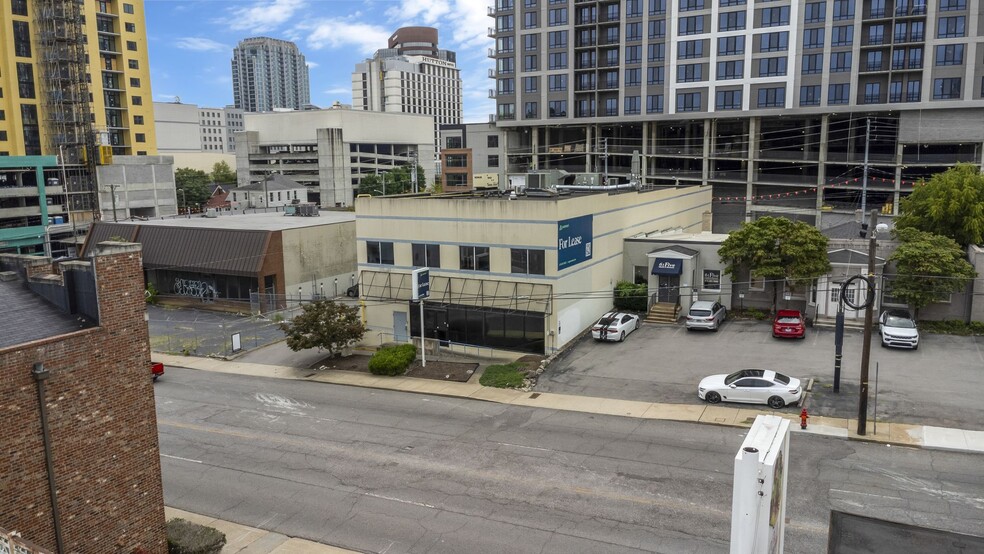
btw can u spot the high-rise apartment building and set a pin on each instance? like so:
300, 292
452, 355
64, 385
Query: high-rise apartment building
800, 107
268, 74
412, 75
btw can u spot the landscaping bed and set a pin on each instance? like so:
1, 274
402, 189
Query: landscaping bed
438, 370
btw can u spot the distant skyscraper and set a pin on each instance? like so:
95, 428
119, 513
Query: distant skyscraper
412, 76
267, 74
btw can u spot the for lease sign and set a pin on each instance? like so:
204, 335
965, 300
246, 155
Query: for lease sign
574, 241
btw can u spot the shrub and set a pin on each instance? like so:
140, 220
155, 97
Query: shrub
504, 376
952, 327
185, 537
632, 297
392, 360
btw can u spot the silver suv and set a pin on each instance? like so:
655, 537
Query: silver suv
705, 314
897, 328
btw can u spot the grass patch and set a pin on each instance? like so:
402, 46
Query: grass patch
952, 327
504, 376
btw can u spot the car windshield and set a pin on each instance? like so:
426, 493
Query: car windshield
700, 313
742, 373
780, 378
901, 322
788, 320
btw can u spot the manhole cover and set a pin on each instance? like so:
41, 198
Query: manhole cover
535, 395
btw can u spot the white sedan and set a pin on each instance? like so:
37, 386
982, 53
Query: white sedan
614, 326
753, 386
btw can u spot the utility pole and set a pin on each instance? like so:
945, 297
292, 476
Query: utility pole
112, 192
413, 170
184, 201
864, 182
604, 154
866, 345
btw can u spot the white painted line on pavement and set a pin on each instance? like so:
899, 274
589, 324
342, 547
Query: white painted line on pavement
522, 446
180, 458
421, 504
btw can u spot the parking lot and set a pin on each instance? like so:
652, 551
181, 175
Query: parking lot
938, 384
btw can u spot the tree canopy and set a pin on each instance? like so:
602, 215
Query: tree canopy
194, 183
222, 173
949, 204
397, 181
928, 268
325, 325
775, 249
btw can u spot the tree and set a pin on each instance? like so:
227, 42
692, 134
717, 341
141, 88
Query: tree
775, 249
372, 185
950, 204
194, 183
928, 268
222, 173
397, 181
324, 325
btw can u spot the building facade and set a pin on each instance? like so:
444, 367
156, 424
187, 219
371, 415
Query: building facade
471, 157
330, 151
520, 274
784, 107
74, 336
274, 191
268, 74
412, 75
137, 187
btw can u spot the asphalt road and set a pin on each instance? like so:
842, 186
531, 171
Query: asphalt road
938, 384
383, 471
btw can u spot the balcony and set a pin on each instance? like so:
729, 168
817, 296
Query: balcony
491, 74
491, 93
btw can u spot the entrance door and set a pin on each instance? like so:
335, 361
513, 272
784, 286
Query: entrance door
400, 327
855, 293
669, 289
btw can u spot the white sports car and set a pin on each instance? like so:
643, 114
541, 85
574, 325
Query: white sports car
754, 386
614, 326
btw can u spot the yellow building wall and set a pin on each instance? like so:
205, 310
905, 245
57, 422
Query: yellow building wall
10, 101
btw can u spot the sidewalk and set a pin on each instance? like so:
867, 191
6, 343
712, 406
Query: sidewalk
920, 436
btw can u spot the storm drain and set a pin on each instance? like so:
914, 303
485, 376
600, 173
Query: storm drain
535, 395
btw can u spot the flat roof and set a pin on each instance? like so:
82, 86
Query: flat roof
680, 237
269, 221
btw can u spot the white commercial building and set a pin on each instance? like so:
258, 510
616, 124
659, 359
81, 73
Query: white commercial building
197, 137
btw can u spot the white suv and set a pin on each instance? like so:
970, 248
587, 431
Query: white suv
897, 328
705, 314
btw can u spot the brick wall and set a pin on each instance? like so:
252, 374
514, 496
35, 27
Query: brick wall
102, 420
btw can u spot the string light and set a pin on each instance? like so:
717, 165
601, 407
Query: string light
777, 195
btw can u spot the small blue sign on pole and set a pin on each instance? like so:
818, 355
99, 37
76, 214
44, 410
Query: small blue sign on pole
421, 283
574, 238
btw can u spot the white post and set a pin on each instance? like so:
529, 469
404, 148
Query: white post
423, 348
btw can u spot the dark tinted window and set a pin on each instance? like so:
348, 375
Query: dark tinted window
379, 252
426, 255
700, 313
780, 378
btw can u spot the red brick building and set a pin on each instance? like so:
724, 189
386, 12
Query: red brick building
74, 334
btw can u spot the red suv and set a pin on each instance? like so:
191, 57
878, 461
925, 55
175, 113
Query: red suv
156, 369
789, 324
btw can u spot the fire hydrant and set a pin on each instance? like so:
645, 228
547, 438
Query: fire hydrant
803, 417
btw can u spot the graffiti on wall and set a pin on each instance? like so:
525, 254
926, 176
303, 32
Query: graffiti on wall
195, 288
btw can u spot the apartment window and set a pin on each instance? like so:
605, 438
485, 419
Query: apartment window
492, 141
813, 38
130, 27
655, 75
585, 108
657, 7
950, 54
895, 91
558, 60
843, 9
840, 62
504, 23
140, 137
950, 27
772, 67
22, 39
557, 39
18, 7
872, 93
774, 17
839, 94
688, 102
726, 3
876, 34
474, 258
507, 111
505, 66
3, 136
693, 25
25, 80
633, 105
557, 16
913, 91
810, 95
842, 36
529, 20
915, 58
506, 45
131, 45
612, 12
128, 8
731, 21
133, 64
873, 61
877, 8
529, 63
654, 103
633, 8
657, 52
557, 83
730, 46
633, 31
727, 100
691, 5
731, 70
688, 49
134, 82
425, 255
506, 86
493, 160
812, 64
633, 77
946, 89
633, 54
945, 5
772, 97
530, 109
657, 29
379, 252
689, 73
774, 42
611, 106
558, 108
815, 12
3, 115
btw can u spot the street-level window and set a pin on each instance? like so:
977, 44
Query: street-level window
379, 252
530, 262
474, 258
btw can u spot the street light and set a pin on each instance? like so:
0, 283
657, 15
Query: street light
874, 227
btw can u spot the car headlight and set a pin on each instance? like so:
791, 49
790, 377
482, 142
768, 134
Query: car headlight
701, 389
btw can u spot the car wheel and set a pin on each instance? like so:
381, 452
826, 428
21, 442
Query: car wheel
155, 378
776, 403
916, 347
621, 337
712, 397
715, 328
883, 344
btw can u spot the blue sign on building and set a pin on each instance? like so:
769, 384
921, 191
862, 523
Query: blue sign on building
667, 266
574, 238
